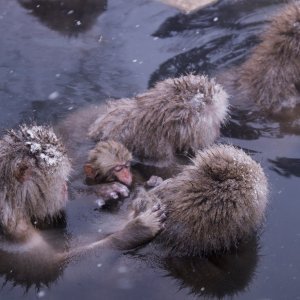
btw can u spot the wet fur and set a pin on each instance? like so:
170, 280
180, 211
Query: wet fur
270, 76
22, 199
34, 168
106, 155
176, 116
213, 204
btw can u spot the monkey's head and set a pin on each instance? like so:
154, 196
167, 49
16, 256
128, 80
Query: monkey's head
34, 169
283, 34
190, 110
109, 161
214, 203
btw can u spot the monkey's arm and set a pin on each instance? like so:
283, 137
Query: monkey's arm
140, 230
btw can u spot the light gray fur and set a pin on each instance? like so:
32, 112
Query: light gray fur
270, 76
212, 204
41, 154
176, 116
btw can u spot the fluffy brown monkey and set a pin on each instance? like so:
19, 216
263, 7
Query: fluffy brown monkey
73, 131
109, 161
212, 204
34, 170
176, 116
270, 76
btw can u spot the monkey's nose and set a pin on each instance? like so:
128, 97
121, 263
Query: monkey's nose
125, 176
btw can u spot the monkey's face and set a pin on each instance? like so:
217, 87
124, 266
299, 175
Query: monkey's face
119, 172
109, 161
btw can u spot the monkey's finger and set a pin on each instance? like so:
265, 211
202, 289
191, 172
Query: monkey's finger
160, 214
163, 217
124, 191
100, 202
156, 207
114, 195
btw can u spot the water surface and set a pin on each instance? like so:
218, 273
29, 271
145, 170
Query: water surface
53, 60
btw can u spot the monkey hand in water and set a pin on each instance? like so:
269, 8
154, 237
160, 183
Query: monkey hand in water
34, 170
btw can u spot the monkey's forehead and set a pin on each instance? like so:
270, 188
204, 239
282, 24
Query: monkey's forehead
39, 142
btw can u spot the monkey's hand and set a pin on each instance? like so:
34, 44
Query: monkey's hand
144, 202
111, 191
153, 181
142, 229
154, 218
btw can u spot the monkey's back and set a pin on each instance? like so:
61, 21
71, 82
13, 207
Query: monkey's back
270, 76
175, 116
213, 204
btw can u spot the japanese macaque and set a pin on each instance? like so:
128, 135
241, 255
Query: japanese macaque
92, 173
109, 161
176, 116
34, 171
270, 76
212, 204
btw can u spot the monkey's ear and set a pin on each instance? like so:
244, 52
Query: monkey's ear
23, 172
89, 171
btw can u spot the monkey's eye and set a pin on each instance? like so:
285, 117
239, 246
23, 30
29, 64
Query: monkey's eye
119, 168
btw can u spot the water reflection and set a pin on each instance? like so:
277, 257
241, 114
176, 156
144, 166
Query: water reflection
35, 267
207, 31
214, 276
69, 17
286, 167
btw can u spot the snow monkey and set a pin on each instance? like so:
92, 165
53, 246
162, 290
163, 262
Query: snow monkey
109, 161
270, 76
176, 116
34, 171
212, 204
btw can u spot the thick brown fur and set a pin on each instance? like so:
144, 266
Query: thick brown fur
34, 169
176, 116
270, 76
212, 204
108, 154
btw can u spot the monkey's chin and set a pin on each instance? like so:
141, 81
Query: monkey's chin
127, 183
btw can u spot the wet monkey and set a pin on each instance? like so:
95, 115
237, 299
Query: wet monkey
109, 161
176, 116
270, 75
34, 170
212, 205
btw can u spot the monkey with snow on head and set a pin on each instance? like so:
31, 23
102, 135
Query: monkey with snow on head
270, 76
176, 116
212, 204
34, 171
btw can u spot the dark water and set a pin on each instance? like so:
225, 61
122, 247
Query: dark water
56, 56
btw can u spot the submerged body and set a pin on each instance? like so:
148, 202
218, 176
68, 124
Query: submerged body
270, 76
34, 170
212, 204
